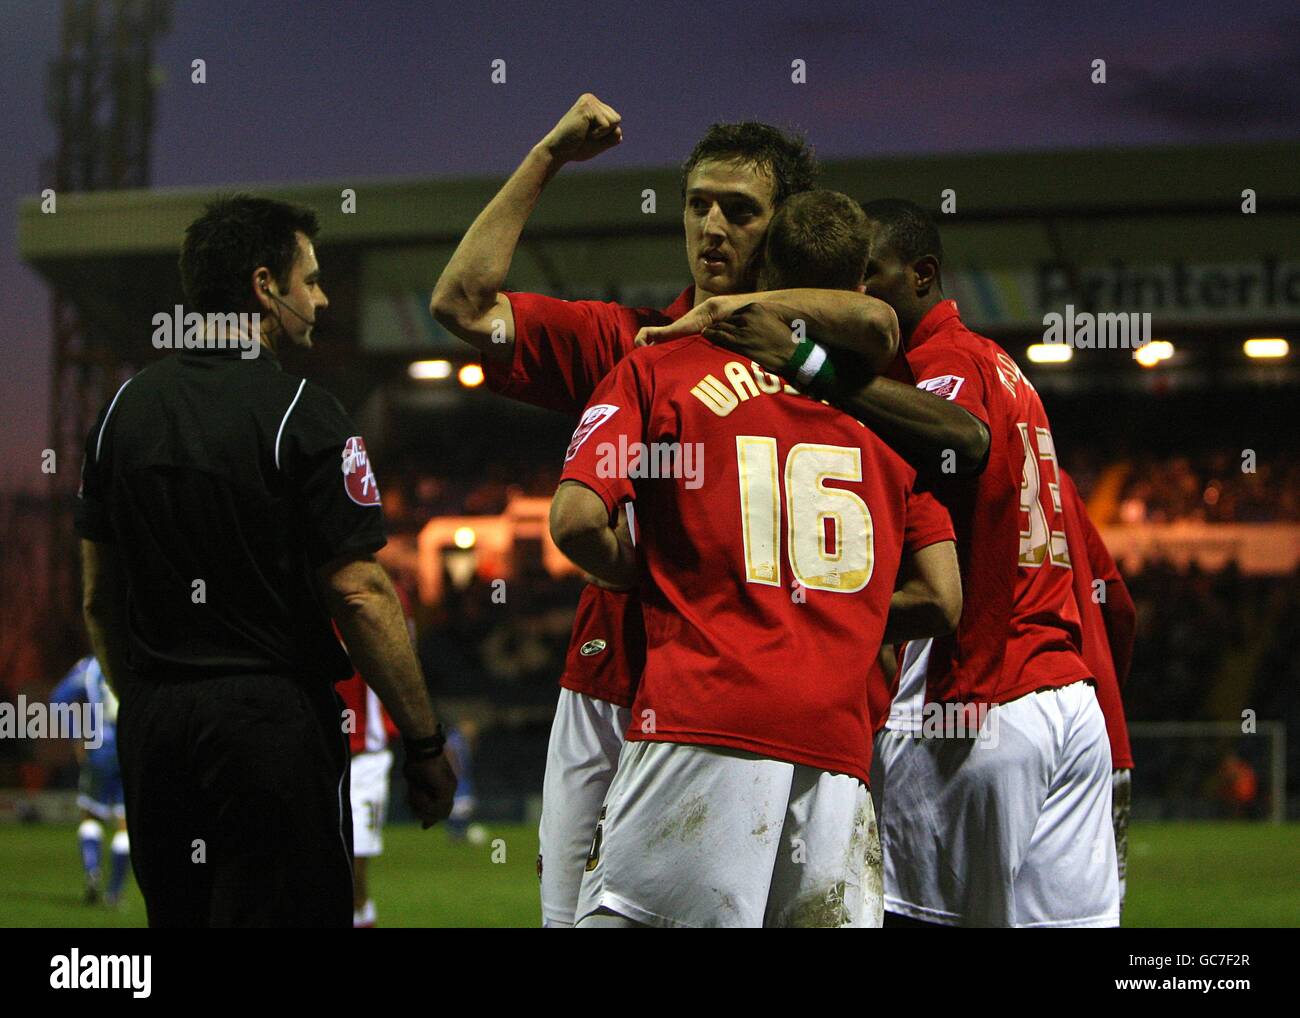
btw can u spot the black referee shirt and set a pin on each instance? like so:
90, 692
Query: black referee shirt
209, 467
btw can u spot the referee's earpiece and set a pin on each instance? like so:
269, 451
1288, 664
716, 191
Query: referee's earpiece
275, 297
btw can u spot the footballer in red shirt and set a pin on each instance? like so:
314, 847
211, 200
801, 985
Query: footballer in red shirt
1009, 823
959, 410
770, 531
1109, 625
552, 353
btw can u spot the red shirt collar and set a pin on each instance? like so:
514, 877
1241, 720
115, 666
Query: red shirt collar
684, 302
935, 319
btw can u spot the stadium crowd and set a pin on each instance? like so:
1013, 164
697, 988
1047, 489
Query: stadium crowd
1210, 487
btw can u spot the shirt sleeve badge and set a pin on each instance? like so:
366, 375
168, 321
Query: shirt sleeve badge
944, 386
358, 479
591, 420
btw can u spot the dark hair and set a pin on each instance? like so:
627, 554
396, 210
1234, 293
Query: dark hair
910, 230
817, 239
235, 235
787, 157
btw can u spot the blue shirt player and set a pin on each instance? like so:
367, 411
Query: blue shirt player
99, 789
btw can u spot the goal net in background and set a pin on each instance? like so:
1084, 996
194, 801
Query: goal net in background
1209, 770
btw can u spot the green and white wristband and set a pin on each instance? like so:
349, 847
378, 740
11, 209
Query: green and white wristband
811, 369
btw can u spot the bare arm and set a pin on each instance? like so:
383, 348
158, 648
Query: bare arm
934, 435
928, 600
361, 599
103, 606
467, 298
841, 319
919, 425
580, 528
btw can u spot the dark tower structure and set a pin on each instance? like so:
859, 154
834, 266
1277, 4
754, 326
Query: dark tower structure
101, 98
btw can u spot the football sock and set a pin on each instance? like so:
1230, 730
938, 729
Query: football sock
90, 835
365, 915
121, 859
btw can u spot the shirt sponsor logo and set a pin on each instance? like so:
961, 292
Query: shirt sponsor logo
944, 386
358, 479
591, 420
592, 647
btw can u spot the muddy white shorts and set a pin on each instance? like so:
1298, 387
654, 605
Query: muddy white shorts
704, 836
1121, 796
586, 738
1012, 828
369, 801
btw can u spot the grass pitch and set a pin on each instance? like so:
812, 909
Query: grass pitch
1180, 874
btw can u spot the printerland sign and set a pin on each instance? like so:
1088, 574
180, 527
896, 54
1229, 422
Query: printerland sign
1173, 292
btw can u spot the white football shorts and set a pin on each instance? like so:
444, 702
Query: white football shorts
704, 836
1012, 828
369, 801
586, 739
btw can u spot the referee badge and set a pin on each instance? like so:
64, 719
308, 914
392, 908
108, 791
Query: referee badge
358, 478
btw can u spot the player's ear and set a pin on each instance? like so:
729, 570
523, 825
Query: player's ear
261, 280
925, 274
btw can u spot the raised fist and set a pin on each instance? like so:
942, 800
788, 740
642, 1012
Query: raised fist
588, 129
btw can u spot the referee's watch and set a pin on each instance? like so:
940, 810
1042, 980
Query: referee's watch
426, 748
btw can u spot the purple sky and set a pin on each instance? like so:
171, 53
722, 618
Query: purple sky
362, 91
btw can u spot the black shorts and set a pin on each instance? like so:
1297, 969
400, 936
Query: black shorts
237, 801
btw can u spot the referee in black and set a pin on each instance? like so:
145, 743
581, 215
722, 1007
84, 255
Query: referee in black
228, 509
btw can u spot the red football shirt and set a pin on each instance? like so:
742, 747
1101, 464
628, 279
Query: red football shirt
1109, 623
1019, 628
769, 547
881, 688
562, 350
